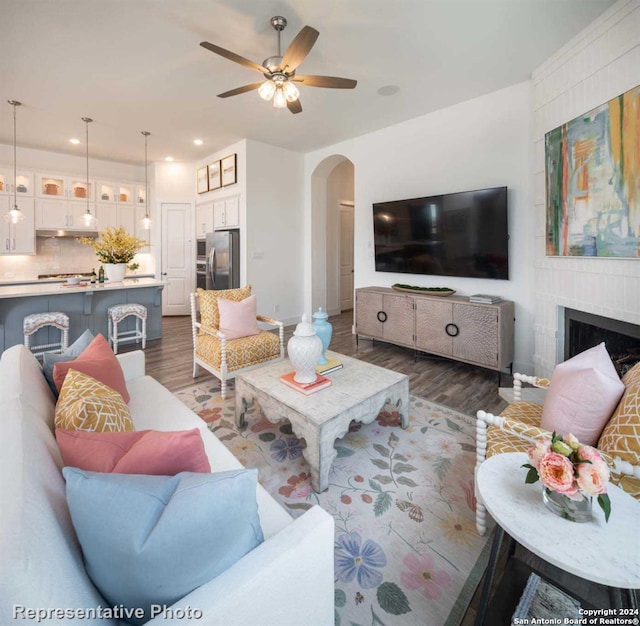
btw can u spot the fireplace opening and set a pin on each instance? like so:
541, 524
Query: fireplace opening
585, 330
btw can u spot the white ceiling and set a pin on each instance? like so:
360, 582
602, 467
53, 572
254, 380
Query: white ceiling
136, 65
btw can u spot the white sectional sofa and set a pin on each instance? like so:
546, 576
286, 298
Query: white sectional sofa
288, 579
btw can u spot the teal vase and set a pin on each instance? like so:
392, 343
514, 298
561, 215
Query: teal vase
324, 330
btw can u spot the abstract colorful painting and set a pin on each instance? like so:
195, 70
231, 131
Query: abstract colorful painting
593, 182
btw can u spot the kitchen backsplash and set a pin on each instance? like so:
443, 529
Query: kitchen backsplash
60, 255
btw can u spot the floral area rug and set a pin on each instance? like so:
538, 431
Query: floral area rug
406, 548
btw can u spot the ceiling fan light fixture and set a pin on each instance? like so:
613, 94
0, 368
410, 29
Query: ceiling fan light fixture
267, 89
291, 92
279, 99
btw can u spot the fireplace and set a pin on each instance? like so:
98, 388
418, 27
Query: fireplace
585, 330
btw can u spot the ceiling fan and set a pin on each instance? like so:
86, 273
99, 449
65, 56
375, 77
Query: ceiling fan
280, 70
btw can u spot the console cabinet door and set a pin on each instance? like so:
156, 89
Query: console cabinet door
477, 340
398, 326
368, 305
432, 318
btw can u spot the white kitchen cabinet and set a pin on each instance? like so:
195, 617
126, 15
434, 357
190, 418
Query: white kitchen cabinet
114, 215
70, 187
17, 238
226, 213
204, 219
23, 185
60, 214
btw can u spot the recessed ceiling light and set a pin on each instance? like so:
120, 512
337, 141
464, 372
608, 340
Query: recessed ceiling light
168, 158
388, 90
198, 142
74, 141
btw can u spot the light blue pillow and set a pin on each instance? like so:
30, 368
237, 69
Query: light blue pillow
49, 359
154, 539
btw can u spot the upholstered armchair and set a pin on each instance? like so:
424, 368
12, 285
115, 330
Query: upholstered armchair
518, 426
216, 351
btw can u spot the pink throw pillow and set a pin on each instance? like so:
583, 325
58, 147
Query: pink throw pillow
583, 395
238, 319
97, 361
161, 453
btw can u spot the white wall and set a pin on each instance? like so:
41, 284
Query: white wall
340, 188
274, 218
484, 142
598, 64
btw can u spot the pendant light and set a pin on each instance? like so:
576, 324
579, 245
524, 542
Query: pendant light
14, 215
146, 220
88, 218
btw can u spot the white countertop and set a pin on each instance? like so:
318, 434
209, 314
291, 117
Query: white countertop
10, 282
606, 553
48, 288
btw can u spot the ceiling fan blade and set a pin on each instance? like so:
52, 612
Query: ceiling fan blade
299, 48
232, 56
295, 106
239, 90
332, 82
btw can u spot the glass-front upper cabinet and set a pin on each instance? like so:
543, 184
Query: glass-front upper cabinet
125, 193
106, 192
70, 187
141, 195
22, 186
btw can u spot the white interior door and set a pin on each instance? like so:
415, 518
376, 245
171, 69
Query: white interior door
346, 257
178, 260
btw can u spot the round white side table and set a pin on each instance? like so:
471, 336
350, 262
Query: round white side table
604, 553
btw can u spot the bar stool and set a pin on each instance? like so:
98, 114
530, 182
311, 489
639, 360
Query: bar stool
116, 314
34, 322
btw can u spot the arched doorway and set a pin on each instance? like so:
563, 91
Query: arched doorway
332, 206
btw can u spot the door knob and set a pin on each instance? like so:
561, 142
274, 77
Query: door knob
164, 274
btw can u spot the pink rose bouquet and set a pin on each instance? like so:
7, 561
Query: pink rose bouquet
566, 466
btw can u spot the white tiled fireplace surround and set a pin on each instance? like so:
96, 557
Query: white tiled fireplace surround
597, 65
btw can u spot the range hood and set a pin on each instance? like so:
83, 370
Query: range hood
42, 232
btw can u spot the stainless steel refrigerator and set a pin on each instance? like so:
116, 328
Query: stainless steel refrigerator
223, 259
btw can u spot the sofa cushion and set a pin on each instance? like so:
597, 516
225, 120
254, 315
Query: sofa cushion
163, 453
41, 558
238, 319
240, 352
49, 359
87, 404
621, 436
97, 361
153, 539
209, 312
583, 394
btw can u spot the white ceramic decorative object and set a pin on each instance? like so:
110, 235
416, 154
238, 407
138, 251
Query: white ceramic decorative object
304, 350
115, 271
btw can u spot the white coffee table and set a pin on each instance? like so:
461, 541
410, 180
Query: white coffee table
605, 553
358, 392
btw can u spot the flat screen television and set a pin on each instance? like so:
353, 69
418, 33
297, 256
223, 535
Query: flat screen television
455, 234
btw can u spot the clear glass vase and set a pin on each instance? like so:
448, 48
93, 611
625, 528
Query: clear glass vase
565, 507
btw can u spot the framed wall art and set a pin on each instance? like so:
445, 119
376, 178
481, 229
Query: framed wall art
228, 167
214, 175
202, 179
592, 169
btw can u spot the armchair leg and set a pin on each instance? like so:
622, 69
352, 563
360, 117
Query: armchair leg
481, 518
195, 369
223, 388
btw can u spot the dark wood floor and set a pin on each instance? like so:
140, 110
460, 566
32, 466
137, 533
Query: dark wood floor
459, 386
462, 387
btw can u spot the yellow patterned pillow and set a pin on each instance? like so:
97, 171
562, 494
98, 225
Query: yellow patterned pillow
621, 436
87, 404
209, 313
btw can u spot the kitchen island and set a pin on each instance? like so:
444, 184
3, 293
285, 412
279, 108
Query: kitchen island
85, 304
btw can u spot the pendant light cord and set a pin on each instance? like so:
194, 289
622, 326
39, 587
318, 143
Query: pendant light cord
146, 134
14, 104
87, 121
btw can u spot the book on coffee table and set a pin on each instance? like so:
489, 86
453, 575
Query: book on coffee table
306, 388
331, 366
